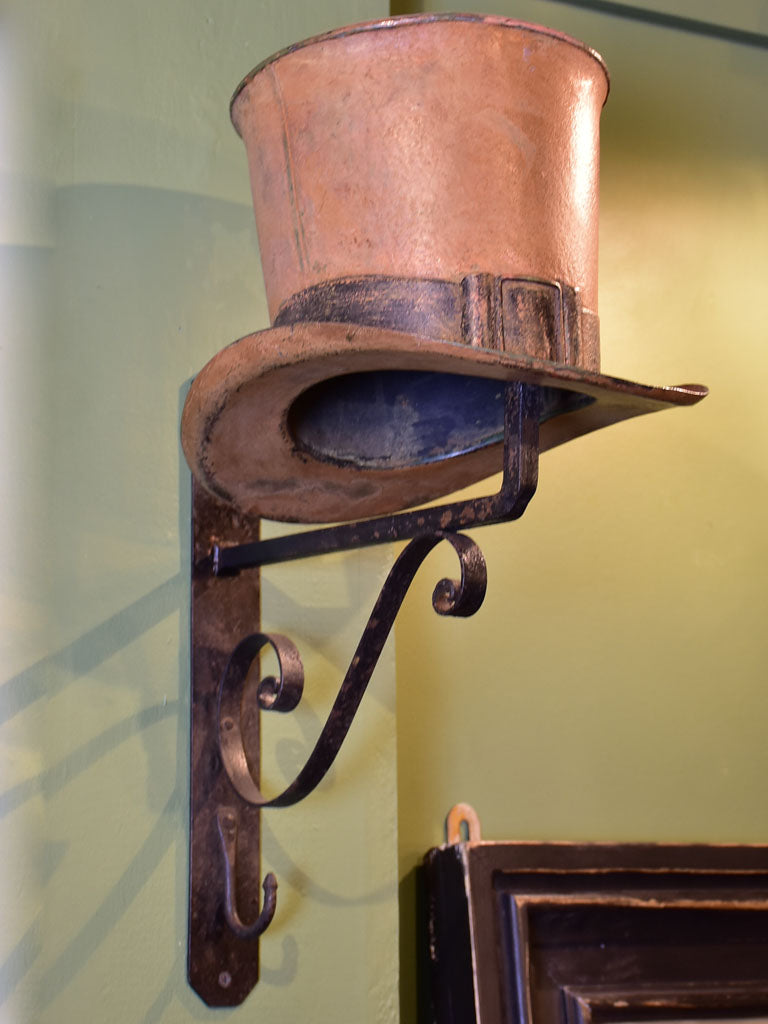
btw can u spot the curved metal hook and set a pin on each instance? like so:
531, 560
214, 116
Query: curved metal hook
227, 822
451, 597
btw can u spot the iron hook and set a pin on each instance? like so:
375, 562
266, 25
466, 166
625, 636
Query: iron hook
227, 822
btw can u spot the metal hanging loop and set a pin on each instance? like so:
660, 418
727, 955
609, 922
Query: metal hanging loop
462, 817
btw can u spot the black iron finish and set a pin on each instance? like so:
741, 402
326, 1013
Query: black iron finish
398, 419
542, 318
451, 597
224, 872
225, 921
518, 485
227, 822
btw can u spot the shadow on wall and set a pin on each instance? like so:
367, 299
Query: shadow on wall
145, 286
137, 292
42, 681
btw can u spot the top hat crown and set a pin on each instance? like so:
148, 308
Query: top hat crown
426, 198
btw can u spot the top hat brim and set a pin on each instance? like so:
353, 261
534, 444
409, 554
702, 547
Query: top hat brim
250, 412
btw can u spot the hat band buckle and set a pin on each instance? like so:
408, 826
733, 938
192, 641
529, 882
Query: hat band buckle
531, 316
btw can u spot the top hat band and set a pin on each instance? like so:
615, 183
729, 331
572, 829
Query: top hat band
528, 316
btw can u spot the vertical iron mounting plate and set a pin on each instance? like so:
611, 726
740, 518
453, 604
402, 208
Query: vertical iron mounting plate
222, 967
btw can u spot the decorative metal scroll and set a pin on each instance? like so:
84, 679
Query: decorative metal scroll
451, 597
225, 915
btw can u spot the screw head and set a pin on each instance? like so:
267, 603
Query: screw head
225, 979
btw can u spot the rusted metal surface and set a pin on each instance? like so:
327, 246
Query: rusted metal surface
451, 597
224, 877
225, 921
535, 317
566, 933
518, 486
226, 819
395, 419
456, 281
426, 196
434, 148
238, 441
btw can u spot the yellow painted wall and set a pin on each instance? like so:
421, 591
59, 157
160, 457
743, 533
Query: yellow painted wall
613, 686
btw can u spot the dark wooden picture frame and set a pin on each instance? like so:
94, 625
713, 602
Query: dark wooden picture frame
561, 933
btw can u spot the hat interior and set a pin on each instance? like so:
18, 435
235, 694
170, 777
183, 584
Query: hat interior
394, 419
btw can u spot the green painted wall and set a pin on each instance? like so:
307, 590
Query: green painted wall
129, 258
611, 687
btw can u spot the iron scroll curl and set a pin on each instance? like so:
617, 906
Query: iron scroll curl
460, 598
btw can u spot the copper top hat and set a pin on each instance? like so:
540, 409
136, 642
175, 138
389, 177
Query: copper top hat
426, 197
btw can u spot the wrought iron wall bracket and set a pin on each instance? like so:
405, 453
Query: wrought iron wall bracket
226, 913
224, 873
518, 485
